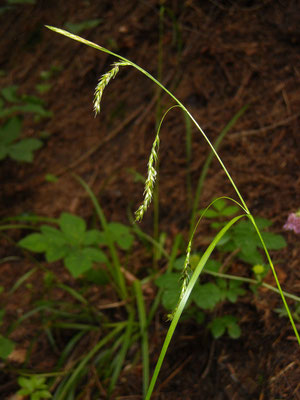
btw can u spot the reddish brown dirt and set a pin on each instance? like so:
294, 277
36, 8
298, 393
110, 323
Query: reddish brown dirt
232, 53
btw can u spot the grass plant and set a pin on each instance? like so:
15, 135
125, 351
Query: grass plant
123, 333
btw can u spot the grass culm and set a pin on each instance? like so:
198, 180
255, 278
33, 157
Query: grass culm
189, 277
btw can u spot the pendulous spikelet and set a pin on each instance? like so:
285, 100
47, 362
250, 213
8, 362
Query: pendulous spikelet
104, 81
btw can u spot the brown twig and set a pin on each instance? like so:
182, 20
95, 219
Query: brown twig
238, 135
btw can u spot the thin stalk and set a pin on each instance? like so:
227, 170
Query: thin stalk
276, 278
253, 281
116, 272
122, 353
157, 123
207, 164
188, 145
171, 260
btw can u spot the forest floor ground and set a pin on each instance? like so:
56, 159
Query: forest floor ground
217, 57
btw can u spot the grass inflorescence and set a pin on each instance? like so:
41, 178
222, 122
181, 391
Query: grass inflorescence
104, 81
113, 238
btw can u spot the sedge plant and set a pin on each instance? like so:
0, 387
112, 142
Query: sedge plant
189, 278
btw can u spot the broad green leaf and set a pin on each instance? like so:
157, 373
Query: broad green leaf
209, 213
10, 131
41, 394
121, 235
169, 281
23, 150
53, 236
93, 236
39, 381
217, 328
218, 225
206, 296
3, 151
246, 241
73, 227
179, 263
24, 392
97, 276
56, 252
212, 265
262, 223
170, 298
234, 330
95, 255
251, 258
222, 283
243, 227
10, 92
234, 291
273, 241
77, 263
230, 210
219, 205
34, 242
6, 347
30, 99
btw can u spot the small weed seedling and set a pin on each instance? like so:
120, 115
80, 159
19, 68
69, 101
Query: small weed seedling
78, 247
12, 146
11, 103
34, 387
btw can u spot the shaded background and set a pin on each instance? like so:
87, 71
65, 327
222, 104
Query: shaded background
216, 56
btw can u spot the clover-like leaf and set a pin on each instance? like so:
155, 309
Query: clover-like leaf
207, 295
